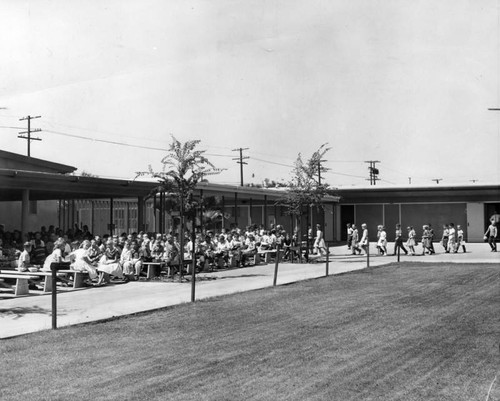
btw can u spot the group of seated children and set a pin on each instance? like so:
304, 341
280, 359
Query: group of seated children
123, 256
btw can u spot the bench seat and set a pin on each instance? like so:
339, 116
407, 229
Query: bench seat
78, 277
22, 285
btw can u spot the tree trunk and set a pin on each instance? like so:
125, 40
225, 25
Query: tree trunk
181, 241
193, 262
299, 236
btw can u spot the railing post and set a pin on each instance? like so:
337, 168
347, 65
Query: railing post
53, 268
276, 265
327, 259
367, 252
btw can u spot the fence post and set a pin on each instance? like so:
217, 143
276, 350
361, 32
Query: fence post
276, 266
53, 267
327, 258
367, 252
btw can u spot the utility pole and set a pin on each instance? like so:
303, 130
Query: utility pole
437, 180
240, 161
28, 137
373, 171
319, 170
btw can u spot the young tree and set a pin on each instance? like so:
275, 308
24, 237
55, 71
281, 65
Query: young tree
183, 167
305, 189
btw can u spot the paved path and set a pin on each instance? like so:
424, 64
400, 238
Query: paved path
32, 313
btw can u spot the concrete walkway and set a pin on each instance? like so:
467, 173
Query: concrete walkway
32, 313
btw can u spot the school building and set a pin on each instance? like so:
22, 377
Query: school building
35, 193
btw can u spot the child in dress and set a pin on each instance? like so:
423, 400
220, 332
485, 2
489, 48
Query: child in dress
460, 240
425, 240
382, 240
319, 242
363, 243
81, 260
411, 240
109, 264
452, 241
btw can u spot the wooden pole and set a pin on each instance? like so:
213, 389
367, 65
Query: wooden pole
54, 295
327, 259
367, 252
276, 266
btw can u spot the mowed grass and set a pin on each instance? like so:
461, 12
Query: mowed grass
414, 332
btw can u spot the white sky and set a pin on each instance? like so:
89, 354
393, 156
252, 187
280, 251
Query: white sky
406, 82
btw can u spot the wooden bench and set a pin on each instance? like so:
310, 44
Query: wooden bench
267, 255
22, 285
187, 263
78, 277
47, 277
153, 269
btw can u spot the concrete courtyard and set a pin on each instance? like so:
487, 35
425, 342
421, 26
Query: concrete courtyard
32, 313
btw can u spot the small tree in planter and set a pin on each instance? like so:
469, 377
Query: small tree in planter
183, 168
305, 189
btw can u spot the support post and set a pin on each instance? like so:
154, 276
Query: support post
265, 211
24, 213
223, 212
111, 227
92, 216
236, 209
140, 214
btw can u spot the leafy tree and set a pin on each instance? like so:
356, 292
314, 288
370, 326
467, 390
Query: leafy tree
305, 189
87, 174
184, 167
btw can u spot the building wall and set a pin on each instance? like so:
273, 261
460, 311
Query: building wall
409, 214
42, 213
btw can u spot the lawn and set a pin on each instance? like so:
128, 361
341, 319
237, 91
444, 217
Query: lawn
414, 332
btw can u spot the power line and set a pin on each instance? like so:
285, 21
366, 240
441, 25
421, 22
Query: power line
275, 163
120, 143
29, 138
6, 126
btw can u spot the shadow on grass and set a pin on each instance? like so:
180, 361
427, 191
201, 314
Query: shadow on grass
20, 311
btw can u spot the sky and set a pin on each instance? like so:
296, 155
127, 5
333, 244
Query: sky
407, 83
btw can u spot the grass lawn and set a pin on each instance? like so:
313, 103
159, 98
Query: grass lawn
415, 332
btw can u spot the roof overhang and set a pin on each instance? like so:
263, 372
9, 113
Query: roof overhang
469, 193
49, 186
